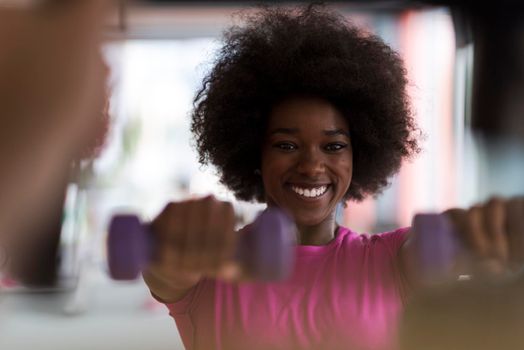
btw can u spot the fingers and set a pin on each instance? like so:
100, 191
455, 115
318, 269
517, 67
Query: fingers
218, 245
229, 270
515, 231
196, 237
469, 226
493, 233
494, 215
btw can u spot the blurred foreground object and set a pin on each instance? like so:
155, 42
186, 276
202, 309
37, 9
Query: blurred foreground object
467, 315
53, 101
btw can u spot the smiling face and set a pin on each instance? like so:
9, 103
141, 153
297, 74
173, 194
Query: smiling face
307, 159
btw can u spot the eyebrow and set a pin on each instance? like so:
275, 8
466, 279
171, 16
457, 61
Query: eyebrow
291, 131
288, 131
336, 132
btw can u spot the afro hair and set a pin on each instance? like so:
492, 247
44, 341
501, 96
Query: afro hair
278, 53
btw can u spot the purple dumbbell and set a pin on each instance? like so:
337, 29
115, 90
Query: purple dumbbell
266, 249
437, 246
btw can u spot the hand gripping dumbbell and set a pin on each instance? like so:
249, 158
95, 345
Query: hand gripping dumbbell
266, 249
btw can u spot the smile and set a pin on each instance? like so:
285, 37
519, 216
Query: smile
310, 192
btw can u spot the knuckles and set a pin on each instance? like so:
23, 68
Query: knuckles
194, 235
492, 230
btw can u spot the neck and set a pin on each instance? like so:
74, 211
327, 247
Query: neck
319, 234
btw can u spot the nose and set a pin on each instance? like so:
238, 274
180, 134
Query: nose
311, 163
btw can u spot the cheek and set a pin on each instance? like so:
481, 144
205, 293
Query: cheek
344, 170
272, 173
348, 166
271, 169
273, 164
344, 166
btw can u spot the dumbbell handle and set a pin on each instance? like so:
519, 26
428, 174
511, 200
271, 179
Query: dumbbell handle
266, 249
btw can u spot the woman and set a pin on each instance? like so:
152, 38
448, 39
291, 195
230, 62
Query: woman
301, 111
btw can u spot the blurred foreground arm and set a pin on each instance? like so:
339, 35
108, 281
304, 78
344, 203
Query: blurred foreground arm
52, 92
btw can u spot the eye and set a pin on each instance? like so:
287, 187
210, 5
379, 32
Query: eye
334, 147
285, 146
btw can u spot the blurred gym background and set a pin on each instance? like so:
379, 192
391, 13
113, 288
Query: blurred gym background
159, 52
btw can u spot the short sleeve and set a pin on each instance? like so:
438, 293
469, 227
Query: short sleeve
394, 239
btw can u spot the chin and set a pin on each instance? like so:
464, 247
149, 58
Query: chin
308, 220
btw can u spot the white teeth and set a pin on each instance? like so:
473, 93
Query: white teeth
310, 193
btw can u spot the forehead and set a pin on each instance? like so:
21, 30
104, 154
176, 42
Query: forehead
306, 113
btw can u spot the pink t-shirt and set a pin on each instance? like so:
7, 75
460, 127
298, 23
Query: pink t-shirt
347, 294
